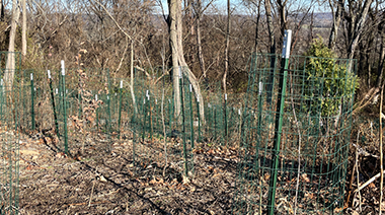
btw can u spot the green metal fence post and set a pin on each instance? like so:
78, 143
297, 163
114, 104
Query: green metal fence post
108, 122
144, 111
97, 113
120, 108
80, 103
215, 122
133, 123
150, 114
170, 105
109, 96
199, 121
191, 118
53, 103
32, 103
278, 121
64, 108
183, 122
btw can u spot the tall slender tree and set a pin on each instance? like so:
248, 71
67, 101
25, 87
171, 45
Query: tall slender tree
179, 64
24, 29
10, 66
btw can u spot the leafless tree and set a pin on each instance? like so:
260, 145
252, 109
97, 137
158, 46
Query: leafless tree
10, 66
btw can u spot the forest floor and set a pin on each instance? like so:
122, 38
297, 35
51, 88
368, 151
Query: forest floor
97, 180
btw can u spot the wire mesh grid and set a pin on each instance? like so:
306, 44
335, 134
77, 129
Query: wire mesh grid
157, 120
301, 165
10, 96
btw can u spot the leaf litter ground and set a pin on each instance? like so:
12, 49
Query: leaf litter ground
94, 181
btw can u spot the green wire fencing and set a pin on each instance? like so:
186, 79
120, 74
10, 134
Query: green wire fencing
10, 96
91, 110
295, 135
161, 137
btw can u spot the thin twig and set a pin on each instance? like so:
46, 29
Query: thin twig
92, 190
358, 181
299, 146
368, 182
358, 150
164, 136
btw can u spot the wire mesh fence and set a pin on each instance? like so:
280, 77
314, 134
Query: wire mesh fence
10, 97
291, 127
296, 130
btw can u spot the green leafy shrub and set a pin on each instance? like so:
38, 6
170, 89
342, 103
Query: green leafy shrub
327, 80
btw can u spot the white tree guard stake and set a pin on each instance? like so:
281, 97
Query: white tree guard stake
239, 112
62, 68
49, 74
96, 97
156, 101
190, 88
198, 99
57, 91
286, 44
144, 101
108, 97
2, 82
66, 91
121, 84
180, 72
116, 94
34, 88
147, 95
260, 87
31, 76
226, 96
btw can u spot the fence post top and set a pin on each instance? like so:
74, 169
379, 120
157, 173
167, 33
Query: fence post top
62, 67
286, 44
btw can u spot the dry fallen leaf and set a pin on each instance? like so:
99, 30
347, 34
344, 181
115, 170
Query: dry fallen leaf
372, 185
60, 155
305, 178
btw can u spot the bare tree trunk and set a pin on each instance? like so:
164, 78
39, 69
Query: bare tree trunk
199, 40
2, 10
132, 77
358, 28
270, 26
173, 9
194, 82
178, 61
380, 69
10, 66
257, 27
227, 48
24, 29
336, 22
283, 22
356, 19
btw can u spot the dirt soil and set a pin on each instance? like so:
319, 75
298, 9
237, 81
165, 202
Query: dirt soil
99, 182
